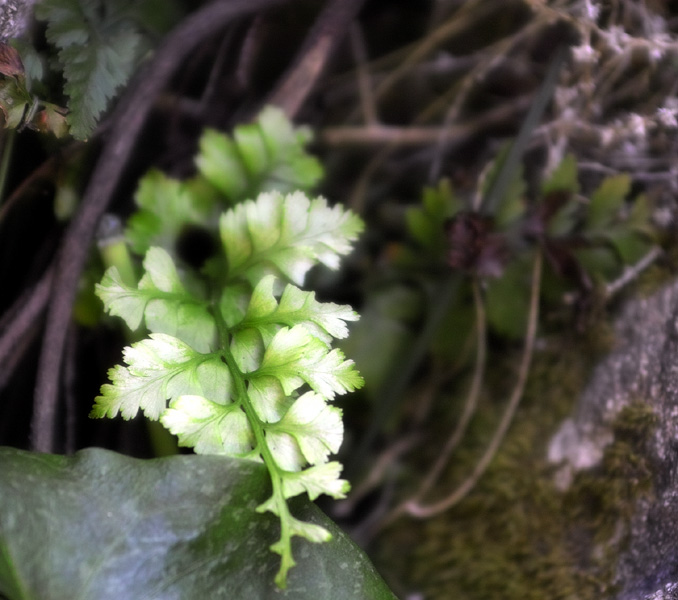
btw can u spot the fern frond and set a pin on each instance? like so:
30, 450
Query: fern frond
159, 368
249, 370
162, 301
262, 156
285, 236
323, 320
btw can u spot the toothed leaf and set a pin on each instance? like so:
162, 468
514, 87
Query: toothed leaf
315, 427
209, 427
158, 369
317, 480
99, 47
295, 357
285, 235
161, 300
262, 156
323, 320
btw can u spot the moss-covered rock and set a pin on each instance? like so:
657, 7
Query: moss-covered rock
572, 507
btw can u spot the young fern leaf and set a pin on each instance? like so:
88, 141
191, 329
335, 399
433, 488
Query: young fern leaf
323, 320
260, 387
285, 235
295, 357
210, 427
310, 427
159, 368
162, 301
265, 155
166, 207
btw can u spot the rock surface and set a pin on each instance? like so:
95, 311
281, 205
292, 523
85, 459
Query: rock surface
642, 367
15, 17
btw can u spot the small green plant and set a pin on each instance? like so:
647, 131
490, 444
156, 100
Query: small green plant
488, 269
587, 242
118, 34
239, 359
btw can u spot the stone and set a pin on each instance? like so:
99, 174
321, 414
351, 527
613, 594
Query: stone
15, 17
643, 366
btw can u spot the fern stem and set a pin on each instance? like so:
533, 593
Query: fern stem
239, 379
257, 425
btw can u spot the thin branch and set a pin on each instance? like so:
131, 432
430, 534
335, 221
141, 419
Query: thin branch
377, 473
472, 127
449, 136
422, 511
469, 410
18, 320
367, 102
471, 399
129, 120
379, 135
453, 101
632, 272
469, 14
413, 507
46, 171
320, 43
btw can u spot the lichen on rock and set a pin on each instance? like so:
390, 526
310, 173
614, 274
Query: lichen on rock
642, 371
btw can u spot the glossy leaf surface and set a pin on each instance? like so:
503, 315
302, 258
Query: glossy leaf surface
105, 526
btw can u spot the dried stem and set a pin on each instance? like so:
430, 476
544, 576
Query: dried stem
367, 103
377, 473
471, 402
471, 11
453, 138
632, 272
313, 55
453, 135
18, 321
413, 506
416, 509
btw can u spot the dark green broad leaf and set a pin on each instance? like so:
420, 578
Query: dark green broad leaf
100, 525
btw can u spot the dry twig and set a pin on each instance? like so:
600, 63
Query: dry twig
327, 32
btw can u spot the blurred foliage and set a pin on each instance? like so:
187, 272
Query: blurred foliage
117, 35
266, 155
587, 243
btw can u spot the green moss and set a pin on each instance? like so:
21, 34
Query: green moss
516, 536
